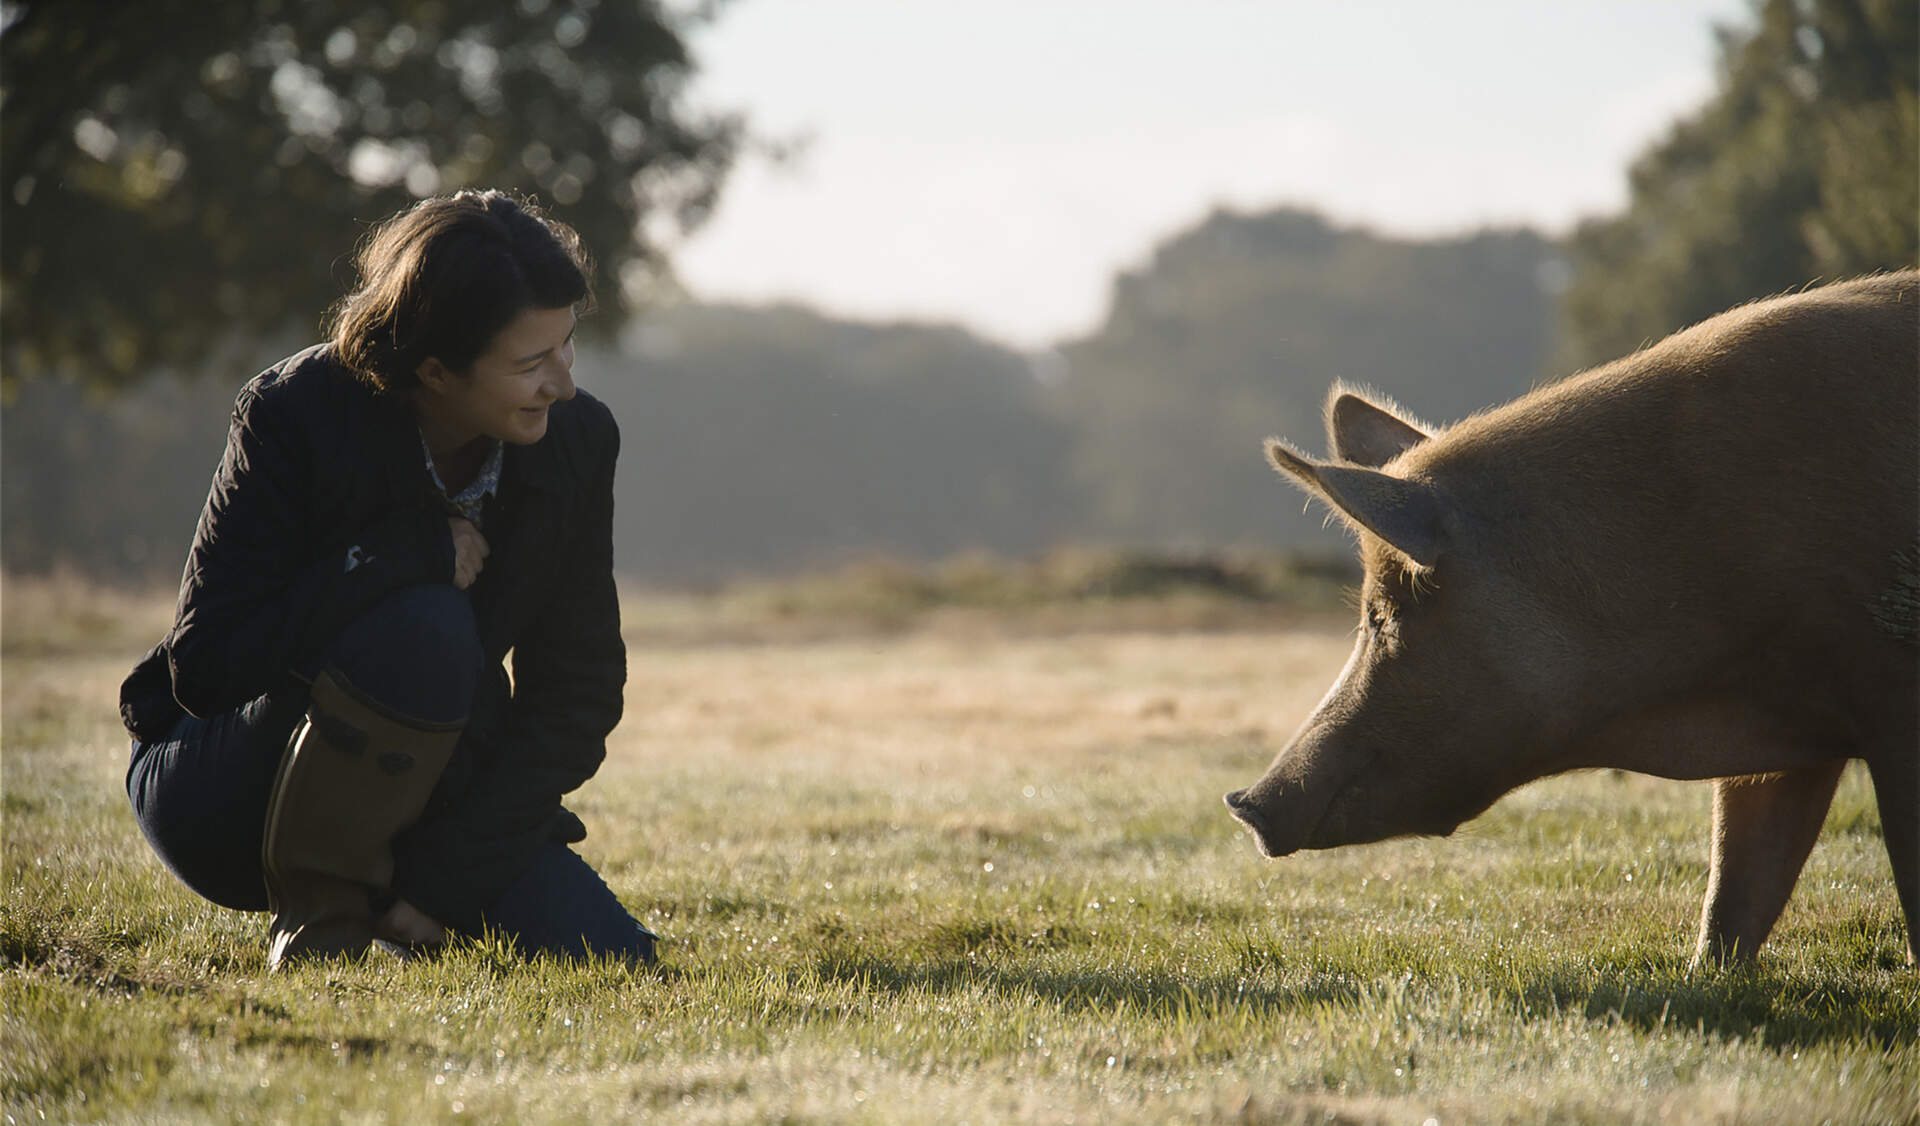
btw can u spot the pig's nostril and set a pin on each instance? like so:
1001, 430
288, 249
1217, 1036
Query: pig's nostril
1237, 799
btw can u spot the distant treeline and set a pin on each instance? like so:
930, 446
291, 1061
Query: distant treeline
772, 440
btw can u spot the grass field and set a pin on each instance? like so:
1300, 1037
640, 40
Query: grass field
953, 865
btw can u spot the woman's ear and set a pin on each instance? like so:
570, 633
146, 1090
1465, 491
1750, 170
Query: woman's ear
433, 375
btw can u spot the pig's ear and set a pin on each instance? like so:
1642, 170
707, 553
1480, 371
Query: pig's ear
1404, 513
1364, 433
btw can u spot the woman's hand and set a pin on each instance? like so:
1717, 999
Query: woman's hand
407, 925
469, 551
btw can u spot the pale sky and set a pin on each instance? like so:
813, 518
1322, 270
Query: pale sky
994, 162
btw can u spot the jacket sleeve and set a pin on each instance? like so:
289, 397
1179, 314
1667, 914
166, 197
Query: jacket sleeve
569, 672
265, 592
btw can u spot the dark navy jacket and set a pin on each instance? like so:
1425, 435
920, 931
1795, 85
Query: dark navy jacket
322, 506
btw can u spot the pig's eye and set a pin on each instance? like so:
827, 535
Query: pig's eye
1376, 619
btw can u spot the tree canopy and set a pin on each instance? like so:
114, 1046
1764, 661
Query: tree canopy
1803, 166
181, 177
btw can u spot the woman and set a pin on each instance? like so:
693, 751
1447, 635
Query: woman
329, 730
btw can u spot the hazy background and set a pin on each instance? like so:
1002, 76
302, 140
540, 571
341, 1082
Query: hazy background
997, 162
929, 279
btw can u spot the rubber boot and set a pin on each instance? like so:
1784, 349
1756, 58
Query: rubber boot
354, 776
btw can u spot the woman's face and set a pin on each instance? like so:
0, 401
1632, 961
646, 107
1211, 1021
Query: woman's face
505, 395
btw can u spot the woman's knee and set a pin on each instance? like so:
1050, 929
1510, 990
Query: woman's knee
562, 907
417, 652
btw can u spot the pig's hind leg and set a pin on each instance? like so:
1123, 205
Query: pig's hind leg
1763, 828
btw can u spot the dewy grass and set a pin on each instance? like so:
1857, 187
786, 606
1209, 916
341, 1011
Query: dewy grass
933, 875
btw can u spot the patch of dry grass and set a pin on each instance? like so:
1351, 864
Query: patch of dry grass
50, 615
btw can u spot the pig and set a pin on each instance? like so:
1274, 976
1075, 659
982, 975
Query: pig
1698, 562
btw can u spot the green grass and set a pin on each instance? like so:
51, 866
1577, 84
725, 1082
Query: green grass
949, 872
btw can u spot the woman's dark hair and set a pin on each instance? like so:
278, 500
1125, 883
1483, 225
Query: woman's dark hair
442, 278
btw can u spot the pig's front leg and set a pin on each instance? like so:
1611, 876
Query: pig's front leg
1763, 828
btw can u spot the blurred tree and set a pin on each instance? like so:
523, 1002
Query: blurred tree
775, 439
178, 177
1235, 330
1803, 166
108, 484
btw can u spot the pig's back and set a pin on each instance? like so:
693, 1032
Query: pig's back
1753, 480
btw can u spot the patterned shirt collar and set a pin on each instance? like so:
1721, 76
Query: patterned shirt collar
469, 500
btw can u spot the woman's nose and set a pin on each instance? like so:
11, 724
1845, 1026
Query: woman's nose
560, 382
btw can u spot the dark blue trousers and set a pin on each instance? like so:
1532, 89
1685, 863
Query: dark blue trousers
200, 794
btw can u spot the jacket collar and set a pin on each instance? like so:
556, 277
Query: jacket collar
398, 445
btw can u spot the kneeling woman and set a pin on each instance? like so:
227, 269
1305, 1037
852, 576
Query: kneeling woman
329, 731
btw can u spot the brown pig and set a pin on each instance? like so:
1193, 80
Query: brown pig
1698, 562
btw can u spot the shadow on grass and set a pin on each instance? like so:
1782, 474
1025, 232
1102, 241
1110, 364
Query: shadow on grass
1751, 1003
1780, 1011
1090, 991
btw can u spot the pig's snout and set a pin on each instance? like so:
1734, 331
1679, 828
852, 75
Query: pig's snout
1249, 814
